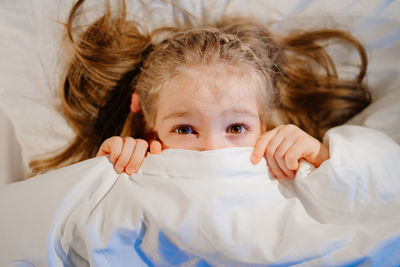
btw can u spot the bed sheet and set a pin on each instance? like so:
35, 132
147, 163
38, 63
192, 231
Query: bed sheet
212, 208
11, 161
32, 58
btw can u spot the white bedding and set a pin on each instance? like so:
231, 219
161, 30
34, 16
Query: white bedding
12, 168
212, 208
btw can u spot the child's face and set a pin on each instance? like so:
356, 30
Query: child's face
206, 108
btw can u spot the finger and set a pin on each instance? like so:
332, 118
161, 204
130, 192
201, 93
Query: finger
280, 156
137, 156
319, 155
155, 147
279, 144
274, 168
308, 149
127, 150
113, 146
276, 149
261, 144
293, 155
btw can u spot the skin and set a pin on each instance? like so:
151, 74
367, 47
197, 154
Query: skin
206, 108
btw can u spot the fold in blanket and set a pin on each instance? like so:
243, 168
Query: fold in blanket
212, 208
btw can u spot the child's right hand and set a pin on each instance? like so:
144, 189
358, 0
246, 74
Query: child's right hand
127, 154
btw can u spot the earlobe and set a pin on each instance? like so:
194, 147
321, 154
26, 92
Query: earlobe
135, 103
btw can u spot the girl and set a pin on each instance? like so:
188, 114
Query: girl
214, 106
204, 87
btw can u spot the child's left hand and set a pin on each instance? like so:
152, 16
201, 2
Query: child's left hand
284, 146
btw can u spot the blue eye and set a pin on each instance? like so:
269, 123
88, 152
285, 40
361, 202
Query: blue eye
236, 129
184, 130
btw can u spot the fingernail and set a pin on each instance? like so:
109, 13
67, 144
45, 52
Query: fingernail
130, 171
253, 159
118, 170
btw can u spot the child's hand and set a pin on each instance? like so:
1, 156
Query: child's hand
284, 146
127, 154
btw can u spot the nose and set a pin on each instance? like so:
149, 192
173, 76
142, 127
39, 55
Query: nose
213, 141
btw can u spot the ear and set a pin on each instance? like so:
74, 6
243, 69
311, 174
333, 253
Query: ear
135, 103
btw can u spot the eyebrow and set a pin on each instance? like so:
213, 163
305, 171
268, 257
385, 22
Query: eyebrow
177, 114
241, 112
186, 113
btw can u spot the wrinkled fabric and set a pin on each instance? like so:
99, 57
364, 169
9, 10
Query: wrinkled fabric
213, 208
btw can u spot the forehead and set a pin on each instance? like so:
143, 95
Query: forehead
205, 86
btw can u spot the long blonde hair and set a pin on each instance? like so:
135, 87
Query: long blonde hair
113, 58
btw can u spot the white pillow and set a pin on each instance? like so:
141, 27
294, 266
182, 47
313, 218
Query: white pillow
33, 59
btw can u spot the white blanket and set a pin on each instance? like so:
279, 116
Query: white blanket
212, 208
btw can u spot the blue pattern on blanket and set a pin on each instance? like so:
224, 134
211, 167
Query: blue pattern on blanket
124, 249
175, 256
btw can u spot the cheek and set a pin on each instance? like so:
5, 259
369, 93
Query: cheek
255, 138
251, 140
177, 142
168, 141
164, 146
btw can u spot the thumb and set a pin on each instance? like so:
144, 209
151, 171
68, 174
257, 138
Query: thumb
316, 159
155, 147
